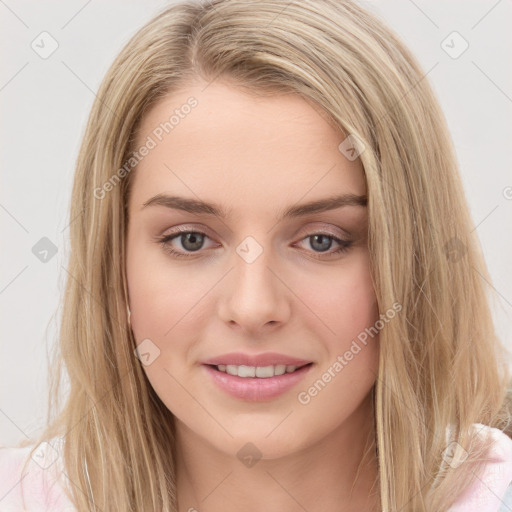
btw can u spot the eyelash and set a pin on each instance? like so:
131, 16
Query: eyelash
164, 241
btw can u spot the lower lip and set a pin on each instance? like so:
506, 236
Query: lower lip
256, 389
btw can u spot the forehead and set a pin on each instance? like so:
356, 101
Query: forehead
222, 142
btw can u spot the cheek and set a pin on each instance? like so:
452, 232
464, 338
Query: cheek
169, 305
165, 311
348, 311
161, 292
342, 301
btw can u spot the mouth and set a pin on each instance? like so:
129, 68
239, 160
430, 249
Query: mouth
256, 383
257, 372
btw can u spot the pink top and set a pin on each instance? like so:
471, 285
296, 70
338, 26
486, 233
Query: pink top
487, 494
43, 482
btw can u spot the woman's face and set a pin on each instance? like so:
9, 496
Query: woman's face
263, 275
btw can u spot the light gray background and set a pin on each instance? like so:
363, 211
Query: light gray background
45, 103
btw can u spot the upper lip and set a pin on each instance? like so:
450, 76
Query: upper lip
265, 359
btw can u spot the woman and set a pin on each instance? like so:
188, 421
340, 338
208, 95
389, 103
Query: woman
275, 296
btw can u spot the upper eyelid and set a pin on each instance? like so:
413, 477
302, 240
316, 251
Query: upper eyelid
332, 231
305, 234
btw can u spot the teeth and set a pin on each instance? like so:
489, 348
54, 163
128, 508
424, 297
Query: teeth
256, 371
246, 371
270, 371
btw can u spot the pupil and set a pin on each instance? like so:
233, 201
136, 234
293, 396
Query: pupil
192, 241
323, 247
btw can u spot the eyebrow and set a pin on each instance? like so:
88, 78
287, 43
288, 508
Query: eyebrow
201, 207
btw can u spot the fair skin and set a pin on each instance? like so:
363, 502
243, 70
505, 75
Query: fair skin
256, 156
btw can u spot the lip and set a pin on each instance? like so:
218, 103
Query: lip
254, 389
265, 359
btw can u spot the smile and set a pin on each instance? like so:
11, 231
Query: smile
262, 372
256, 383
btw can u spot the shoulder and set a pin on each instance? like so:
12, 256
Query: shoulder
491, 491
37, 486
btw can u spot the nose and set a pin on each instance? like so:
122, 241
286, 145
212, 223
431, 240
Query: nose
255, 298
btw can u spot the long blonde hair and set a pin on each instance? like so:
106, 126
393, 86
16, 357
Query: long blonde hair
441, 367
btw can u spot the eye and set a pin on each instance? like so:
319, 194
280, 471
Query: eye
192, 241
322, 242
